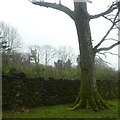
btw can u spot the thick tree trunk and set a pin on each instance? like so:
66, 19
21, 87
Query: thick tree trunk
88, 91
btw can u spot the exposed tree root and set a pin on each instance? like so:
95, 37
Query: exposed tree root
80, 105
95, 102
76, 102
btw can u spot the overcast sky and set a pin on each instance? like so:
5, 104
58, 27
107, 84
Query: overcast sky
41, 26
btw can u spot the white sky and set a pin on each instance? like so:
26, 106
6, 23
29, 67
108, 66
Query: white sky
41, 26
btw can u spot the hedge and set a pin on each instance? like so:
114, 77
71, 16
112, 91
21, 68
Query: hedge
28, 92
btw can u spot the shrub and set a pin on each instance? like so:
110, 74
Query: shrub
29, 92
13, 72
106, 74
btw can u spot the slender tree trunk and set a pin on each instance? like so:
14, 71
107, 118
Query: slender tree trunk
88, 91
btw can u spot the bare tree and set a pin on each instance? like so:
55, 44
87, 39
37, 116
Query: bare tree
66, 53
34, 53
48, 53
9, 43
59, 65
88, 91
41, 54
10, 38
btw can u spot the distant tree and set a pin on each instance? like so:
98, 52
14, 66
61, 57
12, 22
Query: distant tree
68, 64
10, 39
66, 53
9, 43
34, 55
3, 46
48, 53
64, 69
58, 65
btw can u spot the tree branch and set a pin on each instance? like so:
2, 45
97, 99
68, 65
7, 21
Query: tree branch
112, 39
103, 60
104, 38
110, 19
110, 9
107, 48
112, 54
56, 6
102, 54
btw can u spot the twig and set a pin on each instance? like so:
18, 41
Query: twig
102, 54
110, 19
103, 39
110, 9
112, 39
103, 60
112, 53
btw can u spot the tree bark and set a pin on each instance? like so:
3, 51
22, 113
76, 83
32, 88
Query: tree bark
88, 91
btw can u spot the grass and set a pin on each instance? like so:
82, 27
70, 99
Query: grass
62, 111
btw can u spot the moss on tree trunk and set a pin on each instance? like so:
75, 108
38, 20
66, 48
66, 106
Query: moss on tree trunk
88, 92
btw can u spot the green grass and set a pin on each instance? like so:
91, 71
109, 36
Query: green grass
62, 111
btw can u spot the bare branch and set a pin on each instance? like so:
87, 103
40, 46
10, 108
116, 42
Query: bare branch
55, 6
110, 9
103, 60
117, 21
112, 39
107, 48
103, 39
110, 15
110, 19
112, 53
102, 54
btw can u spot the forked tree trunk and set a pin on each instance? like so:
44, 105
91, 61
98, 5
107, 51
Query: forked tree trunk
88, 91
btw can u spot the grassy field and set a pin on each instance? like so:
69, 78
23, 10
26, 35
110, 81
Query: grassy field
62, 111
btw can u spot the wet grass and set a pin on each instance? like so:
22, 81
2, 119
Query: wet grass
62, 111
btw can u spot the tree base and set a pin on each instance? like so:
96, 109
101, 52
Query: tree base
95, 102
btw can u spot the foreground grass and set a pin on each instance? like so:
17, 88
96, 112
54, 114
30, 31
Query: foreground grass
62, 111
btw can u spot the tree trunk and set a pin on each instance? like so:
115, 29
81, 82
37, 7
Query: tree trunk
88, 91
